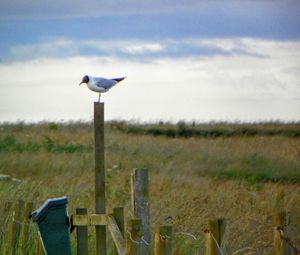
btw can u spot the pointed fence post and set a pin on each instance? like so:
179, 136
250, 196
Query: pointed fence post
140, 203
99, 175
163, 241
215, 232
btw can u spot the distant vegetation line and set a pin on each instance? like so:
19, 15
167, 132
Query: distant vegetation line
209, 130
184, 129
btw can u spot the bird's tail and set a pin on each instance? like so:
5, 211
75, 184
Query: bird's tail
119, 79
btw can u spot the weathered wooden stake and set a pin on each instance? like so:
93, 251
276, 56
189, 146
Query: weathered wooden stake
279, 225
215, 232
118, 214
133, 237
140, 203
116, 235
99, 175
82, 234
25, 229
16, 226
163, 240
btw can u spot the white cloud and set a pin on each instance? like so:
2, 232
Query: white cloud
253, 46
138, 49
64, 47
226, 87
132, 47
58, 47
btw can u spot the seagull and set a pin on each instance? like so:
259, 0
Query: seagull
100, 84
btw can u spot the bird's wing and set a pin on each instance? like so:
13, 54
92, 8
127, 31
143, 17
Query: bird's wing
104, 83
119, 79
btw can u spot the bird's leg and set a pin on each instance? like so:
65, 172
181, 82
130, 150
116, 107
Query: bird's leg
99, 98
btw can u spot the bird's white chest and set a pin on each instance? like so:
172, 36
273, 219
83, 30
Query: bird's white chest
95, 88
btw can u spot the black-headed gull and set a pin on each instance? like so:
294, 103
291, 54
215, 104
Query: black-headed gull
100, 84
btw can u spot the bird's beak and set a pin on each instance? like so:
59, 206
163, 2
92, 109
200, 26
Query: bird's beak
81, 83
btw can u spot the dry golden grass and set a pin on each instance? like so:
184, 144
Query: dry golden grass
187, 181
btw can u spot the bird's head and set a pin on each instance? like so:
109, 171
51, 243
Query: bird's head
85, 79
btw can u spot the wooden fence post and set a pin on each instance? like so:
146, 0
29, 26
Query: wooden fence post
140, 203
133, 237
82, 234
25, 229
99, 175
118, 214
16, 225
215, 232
279, 221
163, 240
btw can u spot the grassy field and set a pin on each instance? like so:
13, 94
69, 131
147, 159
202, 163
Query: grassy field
201, 171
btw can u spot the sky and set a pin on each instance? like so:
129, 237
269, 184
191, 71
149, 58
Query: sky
184, 60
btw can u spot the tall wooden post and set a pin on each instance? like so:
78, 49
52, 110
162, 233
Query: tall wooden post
140, 204
99, 175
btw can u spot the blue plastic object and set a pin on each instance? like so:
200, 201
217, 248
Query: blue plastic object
53, 222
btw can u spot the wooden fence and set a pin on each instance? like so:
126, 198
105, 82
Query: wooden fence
16, 232
131, 236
